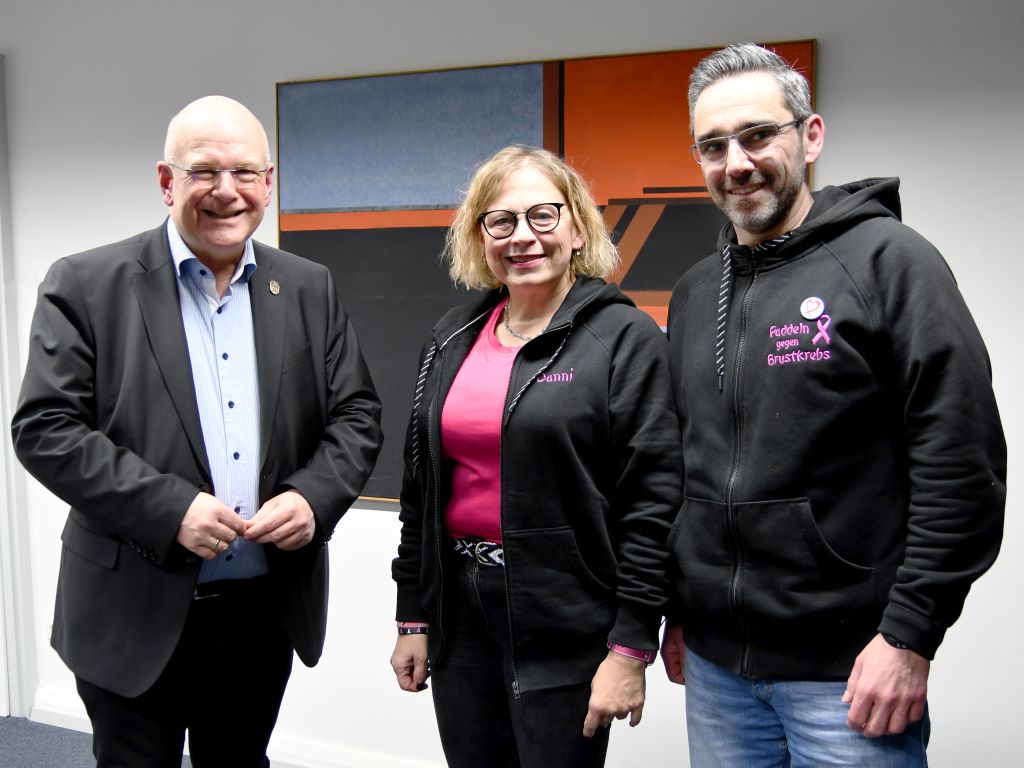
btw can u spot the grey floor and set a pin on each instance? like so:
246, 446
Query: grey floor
24, 744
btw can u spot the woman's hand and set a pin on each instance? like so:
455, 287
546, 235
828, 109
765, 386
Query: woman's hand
617, 690
410, 662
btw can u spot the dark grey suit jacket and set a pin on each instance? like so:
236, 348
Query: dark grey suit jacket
108, 421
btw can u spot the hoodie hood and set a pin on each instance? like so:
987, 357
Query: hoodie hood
834, 210
587, 294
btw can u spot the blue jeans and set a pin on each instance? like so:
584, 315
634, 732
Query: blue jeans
733, 722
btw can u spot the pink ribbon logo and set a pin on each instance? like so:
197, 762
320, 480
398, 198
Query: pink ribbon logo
823, 323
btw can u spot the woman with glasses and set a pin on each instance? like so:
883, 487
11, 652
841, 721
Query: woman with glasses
542, 474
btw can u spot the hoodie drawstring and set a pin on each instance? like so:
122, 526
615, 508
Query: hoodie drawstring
723, 297
723, 311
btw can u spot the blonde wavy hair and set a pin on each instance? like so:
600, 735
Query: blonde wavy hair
464, 244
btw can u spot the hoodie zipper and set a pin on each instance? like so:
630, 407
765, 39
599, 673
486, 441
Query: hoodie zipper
736, 551
501, 524
501, 457
435, 470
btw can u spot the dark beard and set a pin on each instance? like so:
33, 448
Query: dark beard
769, 216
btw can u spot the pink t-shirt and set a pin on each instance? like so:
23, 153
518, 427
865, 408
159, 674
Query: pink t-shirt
471, 436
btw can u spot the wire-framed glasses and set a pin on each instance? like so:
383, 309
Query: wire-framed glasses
205, 175
752, 140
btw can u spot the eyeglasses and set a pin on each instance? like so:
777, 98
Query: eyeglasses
542, 217
242, 176
752, 140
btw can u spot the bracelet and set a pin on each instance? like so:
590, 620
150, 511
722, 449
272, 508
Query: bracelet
413, 630
647, 657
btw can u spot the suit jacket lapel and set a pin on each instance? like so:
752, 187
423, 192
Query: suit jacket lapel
268, 294
156, 290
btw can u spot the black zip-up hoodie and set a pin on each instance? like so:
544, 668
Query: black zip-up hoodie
847, 476
590, 483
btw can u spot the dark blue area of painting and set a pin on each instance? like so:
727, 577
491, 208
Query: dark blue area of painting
400, 141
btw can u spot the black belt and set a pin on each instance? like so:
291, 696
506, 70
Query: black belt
231, 588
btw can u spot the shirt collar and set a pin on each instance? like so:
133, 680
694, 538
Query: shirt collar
183, 257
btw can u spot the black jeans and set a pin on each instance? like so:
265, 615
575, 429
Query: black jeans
481, 723
224, 683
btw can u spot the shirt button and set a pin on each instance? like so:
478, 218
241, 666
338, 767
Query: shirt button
236, 454
219, 310
231, 403
238, 509
229, 557
225, 355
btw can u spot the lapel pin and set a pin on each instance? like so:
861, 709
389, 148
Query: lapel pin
275, 287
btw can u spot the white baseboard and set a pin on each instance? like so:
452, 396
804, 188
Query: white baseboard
55, 705
290, 752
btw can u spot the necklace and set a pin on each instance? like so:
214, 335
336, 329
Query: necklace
508, 327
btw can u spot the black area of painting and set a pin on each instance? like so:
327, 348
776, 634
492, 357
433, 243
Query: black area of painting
395, 289
685, 234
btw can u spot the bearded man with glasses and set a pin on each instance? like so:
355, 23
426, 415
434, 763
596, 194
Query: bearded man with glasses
200, 401
845, 463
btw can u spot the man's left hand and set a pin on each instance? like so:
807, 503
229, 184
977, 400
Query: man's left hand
286, 521
617, 690
886, 690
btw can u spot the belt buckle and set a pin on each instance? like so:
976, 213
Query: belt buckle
480, 556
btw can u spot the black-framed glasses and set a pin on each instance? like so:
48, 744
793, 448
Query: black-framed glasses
542, 217
752, 140
204, 175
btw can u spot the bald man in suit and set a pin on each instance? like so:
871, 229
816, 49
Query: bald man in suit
200, 401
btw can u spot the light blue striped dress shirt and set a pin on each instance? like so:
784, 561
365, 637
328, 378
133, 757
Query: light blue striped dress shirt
222, 350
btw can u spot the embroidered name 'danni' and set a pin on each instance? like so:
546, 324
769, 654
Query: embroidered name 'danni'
548, 378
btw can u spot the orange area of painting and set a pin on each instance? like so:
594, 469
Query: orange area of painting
309, 222
626, 123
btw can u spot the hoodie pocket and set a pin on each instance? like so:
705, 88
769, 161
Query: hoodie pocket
777, 569
790, 573
702, 564
552, 593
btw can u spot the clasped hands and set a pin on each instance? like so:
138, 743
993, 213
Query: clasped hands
209, 526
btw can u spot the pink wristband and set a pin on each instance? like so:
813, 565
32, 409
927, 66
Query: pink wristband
647, 657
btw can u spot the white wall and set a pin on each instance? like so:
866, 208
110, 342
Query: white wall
904, 89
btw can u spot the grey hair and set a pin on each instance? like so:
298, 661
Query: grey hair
750, 57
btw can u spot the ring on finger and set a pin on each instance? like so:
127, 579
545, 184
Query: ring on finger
216, 545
